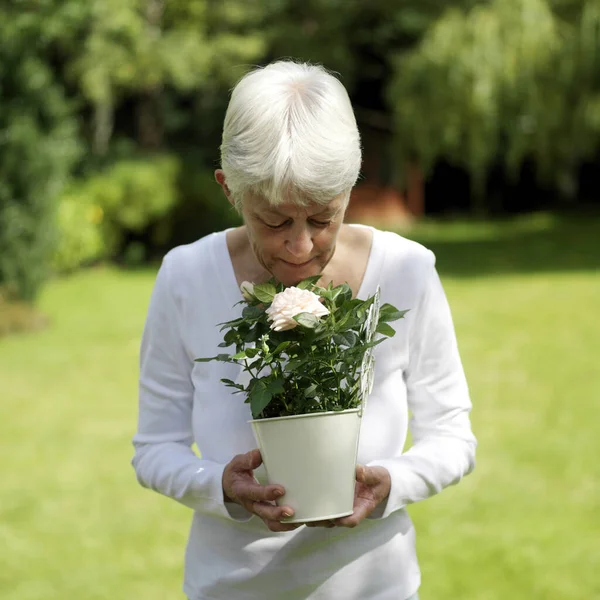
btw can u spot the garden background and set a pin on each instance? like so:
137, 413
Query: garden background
481, 131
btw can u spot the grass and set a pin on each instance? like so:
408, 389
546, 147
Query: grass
525, 525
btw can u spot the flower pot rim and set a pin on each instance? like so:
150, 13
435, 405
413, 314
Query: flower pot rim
312, 414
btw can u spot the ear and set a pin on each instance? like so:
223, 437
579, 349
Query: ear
220, 177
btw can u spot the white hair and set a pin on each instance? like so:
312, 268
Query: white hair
290, 134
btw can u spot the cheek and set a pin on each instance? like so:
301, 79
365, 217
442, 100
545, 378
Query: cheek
266, 248
325, 242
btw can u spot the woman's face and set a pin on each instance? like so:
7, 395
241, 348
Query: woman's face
293, 242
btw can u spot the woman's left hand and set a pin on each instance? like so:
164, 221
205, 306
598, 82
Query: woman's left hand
373, 486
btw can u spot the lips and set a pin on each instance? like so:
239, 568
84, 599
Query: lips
297, 265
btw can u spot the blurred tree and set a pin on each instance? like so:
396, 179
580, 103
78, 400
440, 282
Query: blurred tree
466, 81
354, 37
513, 79
360, 40
129, 50
38, 147
135, 49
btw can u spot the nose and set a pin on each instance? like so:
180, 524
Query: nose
300, 243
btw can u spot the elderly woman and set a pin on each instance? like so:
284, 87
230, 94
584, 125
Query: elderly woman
290, 157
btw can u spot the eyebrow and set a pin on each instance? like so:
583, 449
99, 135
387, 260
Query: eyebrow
325, 211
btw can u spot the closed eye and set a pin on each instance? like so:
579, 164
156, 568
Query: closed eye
282, 225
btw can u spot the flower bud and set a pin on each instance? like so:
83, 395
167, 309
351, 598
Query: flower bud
247, 290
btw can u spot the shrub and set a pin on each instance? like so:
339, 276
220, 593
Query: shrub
135, 195
81, 239
38, 146
104, 215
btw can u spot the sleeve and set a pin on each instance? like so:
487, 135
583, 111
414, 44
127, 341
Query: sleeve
443, 449
164, 460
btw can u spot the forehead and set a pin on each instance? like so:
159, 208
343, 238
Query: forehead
292, 209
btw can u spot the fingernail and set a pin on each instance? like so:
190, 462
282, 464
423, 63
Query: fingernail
278, 493
287, 514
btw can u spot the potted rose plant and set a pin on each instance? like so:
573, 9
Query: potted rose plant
306, 355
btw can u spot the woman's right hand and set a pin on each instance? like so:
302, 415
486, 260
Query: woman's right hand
239, 486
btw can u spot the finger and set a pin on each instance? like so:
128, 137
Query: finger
250, 491
369, 476
327, 523
349, 522
249, 461
360, 513
269, 512
277, 526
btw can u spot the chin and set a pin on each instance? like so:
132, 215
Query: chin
289, 280
291, 275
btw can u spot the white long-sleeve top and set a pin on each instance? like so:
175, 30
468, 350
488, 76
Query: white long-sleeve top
231, 555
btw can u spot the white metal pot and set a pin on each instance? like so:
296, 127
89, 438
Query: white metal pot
314, 458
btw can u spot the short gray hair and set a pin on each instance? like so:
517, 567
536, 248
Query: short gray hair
290, 133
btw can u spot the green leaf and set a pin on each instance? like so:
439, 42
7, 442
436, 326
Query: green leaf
327, 294
347, 321
322, 333
265, 292
239, 355
230, 338
221, 357
275, 386
386, 329
281, 347
308, 283
251, 352
229, 324
252, 312
344, 295
388, 313
310, 391
347, 338
253, 334
237, 386
259, 397
294, 364
307, 320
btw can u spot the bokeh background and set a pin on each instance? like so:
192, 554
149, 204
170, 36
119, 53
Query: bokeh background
480, 124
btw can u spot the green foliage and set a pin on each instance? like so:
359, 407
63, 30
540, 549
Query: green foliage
128, 197
81, 239
202, 207
352, 37
155, 201
474, 82
133, 193
38, 146
510, 79
322, 364
144, 49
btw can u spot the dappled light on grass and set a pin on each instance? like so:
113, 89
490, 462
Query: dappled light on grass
542, 242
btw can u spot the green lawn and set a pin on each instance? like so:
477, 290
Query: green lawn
74, 525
